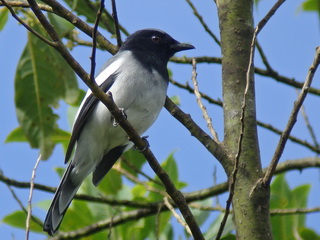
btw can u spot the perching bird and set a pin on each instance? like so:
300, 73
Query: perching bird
137, 77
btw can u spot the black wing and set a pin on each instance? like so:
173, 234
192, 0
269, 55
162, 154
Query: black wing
85, 112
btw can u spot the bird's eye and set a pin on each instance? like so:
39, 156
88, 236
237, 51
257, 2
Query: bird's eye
156, 39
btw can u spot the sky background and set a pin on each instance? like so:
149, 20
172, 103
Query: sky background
289, 41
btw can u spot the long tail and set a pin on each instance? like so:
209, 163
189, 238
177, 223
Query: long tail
61, 201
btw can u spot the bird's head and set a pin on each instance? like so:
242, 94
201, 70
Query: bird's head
154, 42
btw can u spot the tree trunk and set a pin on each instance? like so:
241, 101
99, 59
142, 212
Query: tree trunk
250, 205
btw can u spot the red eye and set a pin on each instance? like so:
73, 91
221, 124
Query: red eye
156, 39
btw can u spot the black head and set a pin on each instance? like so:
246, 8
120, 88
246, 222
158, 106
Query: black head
153, 42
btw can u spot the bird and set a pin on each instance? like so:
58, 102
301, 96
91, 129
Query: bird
137, 78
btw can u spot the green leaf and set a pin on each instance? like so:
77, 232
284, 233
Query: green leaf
200, 215
170, 167
229, 237
111, 183
62, 26
311, 5
138, 191
89, 10
18, 219
282, 197
4, 12
135, 158
176, 100
215, 226
77, 216
308, 234
42, 79
58, 136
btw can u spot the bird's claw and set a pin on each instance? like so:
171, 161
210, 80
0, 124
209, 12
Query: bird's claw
115, 123
146, 146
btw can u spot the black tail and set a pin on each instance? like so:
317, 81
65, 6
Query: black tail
61, 201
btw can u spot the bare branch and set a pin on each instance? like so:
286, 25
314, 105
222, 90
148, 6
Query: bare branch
77, 22
309, 126
176, 215
33, 176
201, 106
139, 171
118, 168
116, 22
16, 198
216, 149
294, 211
94, 40
266, 73
218, 102
203, 23
292, 120
30, 29
273, 212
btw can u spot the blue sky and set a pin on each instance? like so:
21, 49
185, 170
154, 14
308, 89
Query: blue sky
289, 41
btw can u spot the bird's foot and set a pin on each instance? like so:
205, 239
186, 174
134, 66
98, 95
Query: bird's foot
146, 146
115, 123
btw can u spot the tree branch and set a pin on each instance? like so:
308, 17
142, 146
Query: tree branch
30, 29
201, 106
116, 22
216, 149
218, 102
203, 23
29, 215
292, 120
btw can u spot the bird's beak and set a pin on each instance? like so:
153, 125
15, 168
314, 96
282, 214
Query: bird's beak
177, 47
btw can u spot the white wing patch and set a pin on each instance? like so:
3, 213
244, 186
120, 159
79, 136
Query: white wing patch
107, 72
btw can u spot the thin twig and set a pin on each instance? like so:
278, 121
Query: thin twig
33, 176
201, 106
134, 179
263, 57
16, 198
293, 211
216, 149
261, 124
30, 29
273, 212
203, 23
292, 120
129, 164
116, 22
309, 126
94, 40
176, 215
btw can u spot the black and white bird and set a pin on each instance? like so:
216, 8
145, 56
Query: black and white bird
137, 77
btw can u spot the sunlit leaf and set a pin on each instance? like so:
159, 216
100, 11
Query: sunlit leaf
77, 216
3, 17
62, 26
200, 215
308, 234
58, 136
89, 10
42, 79
18, 219
175, 100
111, 183
282, 197
215, 226
135, 159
